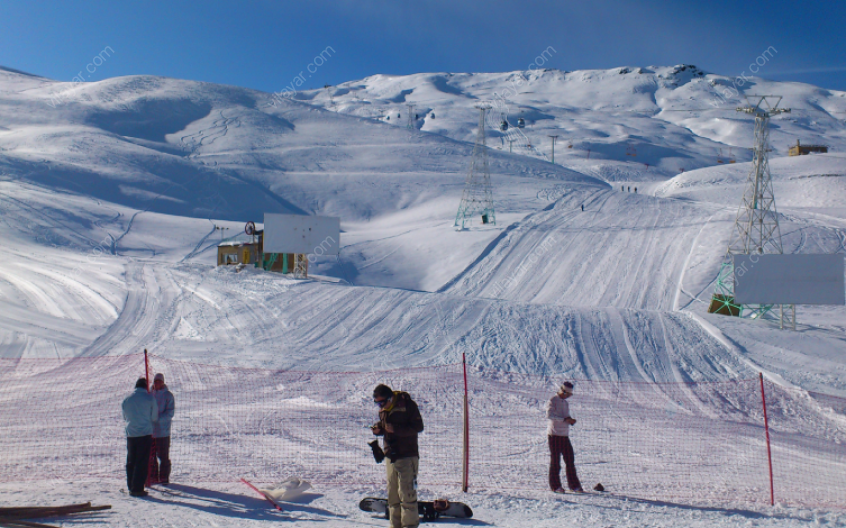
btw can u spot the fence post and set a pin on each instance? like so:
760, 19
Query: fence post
466, 461
767, 430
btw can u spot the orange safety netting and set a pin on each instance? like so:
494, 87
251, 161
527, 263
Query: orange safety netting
61, 419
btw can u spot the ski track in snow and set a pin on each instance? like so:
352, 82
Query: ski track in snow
618, 292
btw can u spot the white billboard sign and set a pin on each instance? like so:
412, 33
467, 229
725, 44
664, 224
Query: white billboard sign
311, 235
789, 279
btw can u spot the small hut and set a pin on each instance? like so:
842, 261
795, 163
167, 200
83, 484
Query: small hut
237, 252
234, 252
802, 150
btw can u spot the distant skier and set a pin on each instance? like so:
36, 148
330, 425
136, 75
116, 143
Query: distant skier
399, 423
160, 461
635, 190
583, 207
558, 431
630, 189
139, 412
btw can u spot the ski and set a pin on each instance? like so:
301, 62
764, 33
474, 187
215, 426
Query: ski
263, 494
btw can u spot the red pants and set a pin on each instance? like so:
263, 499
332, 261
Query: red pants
560, 446
160, 461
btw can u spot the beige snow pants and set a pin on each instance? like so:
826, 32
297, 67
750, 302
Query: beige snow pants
402, 492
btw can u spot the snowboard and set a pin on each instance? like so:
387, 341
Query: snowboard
430, 510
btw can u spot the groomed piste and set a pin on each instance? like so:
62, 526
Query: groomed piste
112, 202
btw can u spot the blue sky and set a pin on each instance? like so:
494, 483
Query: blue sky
263, 44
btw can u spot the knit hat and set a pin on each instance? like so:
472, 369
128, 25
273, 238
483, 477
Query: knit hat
141, 383
383, 391
158, 377
567, 387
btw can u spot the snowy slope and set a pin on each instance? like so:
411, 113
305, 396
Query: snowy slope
623, 250
110, 193
127, 179
812, 183
205, 151
671, 118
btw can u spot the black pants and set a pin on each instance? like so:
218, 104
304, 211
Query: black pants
560, 446
137, 460
160, 460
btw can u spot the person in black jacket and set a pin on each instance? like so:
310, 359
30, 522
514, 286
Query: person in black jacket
399, 423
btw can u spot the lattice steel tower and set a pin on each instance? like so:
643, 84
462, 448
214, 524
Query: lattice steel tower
477, 198
412, 117
756, 227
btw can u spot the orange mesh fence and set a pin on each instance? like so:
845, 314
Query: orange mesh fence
808, 438
61, 419
664, 441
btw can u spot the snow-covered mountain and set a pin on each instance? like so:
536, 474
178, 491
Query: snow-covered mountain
139, 170
626, 123
115, 194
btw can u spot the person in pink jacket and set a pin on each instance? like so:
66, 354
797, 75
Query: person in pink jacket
558, 430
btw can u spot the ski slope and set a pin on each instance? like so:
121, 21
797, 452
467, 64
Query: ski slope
621, 124
624, 250
110, 193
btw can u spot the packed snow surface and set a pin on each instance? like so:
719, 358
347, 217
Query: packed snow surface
113, 195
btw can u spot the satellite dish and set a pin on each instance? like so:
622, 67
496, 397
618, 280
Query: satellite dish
250, 228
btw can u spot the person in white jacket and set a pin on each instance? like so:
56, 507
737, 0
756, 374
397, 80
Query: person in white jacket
558, 430
140, 413
160, 461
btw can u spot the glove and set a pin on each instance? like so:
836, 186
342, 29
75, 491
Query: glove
378, 454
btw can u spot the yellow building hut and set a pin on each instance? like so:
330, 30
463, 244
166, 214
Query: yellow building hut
801, 150
235, 252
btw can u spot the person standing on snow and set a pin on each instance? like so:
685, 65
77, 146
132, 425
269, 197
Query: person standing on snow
161, 431
399, 423
140, 412
558, 431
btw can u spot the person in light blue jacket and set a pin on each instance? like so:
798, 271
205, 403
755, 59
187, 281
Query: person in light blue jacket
161, 431
139, 412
